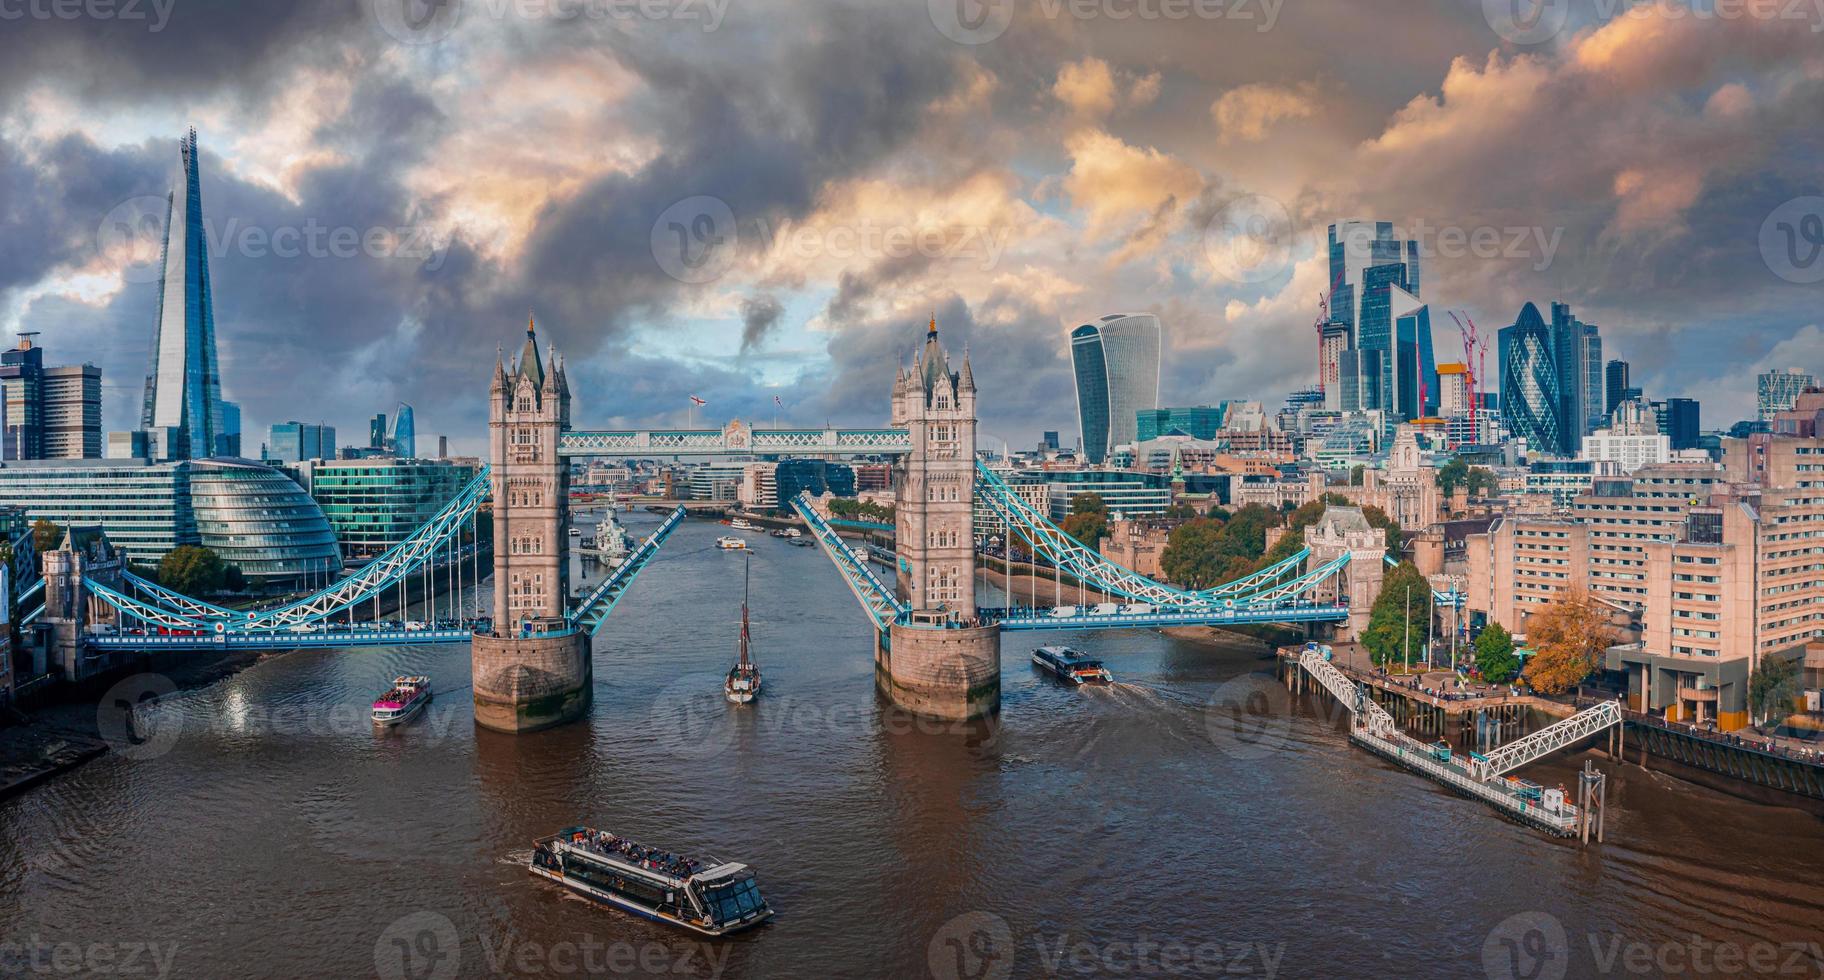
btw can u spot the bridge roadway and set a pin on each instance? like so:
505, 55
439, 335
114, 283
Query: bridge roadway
1043, 619
737, 438
232, 640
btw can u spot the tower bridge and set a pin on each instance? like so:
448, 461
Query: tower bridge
936, 648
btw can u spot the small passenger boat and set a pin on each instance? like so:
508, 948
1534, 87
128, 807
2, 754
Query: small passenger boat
1072, 666
407, 697
707, 897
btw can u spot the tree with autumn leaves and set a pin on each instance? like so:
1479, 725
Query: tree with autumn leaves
1567, 639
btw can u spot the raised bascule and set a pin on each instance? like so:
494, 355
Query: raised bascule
936, 648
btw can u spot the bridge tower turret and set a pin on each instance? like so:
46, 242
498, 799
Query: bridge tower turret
941, 662
533, 671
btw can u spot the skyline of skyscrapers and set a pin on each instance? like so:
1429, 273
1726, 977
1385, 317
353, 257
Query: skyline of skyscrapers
184, 385
1376, 343
1116, 362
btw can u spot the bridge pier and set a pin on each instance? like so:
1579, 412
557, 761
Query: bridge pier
526, 683
949, 673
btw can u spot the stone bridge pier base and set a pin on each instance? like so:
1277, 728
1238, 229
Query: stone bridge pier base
526, 683
950, 673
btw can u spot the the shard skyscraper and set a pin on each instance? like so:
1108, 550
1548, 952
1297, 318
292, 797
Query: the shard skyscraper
184, 388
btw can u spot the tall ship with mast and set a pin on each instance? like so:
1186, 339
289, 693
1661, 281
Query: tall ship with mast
743, 683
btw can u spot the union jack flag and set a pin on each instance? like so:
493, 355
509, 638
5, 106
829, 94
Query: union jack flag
694, 400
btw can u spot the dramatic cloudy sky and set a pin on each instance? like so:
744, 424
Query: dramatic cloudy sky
748, 199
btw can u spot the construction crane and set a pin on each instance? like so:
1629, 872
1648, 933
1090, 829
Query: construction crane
1323, 320
1475, 351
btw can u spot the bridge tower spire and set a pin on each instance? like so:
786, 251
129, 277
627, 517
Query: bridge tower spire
533, 671
940, 661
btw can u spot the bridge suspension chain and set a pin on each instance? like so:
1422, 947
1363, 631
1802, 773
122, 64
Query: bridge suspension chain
1063, 551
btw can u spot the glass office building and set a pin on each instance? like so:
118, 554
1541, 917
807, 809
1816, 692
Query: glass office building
262, 523
1530, 393
818, 476
1198, 422
373, 504
253, 516
402, 435
1116, 364
184, 388
295, 442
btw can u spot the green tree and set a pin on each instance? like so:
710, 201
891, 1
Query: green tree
192, 570
1088, 503
1772, 688
45, 536
1088, 527
1355, 474
1378, 518
1495, 656
1452, 475
1482, 481
1396, 625
233, 579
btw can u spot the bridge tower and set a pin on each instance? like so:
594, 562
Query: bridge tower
534, 670
940, 662
1346, 529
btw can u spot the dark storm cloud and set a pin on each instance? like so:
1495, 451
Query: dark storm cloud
759, 314
173, 48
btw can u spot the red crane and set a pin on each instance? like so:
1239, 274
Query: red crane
1475, 352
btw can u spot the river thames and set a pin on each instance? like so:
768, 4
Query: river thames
1150, 828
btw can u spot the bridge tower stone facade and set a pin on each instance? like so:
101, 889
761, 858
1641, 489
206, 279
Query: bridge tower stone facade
1346, 529
534, 670
942, 662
